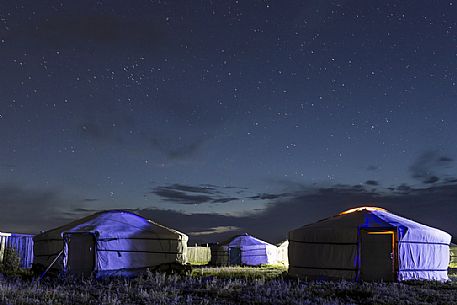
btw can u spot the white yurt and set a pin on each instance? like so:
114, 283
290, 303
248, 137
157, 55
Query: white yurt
369, 243
111, 242
245, 250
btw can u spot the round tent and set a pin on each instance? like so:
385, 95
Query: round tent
246, 250
369, 243
110, 242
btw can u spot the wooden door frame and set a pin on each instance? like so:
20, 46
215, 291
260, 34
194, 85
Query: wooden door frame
378, 230
65, 236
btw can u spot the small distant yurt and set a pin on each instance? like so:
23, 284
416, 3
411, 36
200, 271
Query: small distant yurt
245, 250
283, 248
370, 244
110, 243
22, 245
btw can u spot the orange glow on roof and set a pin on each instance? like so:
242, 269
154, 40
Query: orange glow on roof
361, 209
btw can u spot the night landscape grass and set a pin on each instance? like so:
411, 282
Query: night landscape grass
231, 285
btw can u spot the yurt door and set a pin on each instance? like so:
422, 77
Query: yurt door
81, 253
377, 255
234, 256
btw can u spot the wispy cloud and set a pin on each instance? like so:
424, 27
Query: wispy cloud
121, 130
30, 210
180, 197
428, 167
190, 194
431, 205
265, 196
372, 182
216, 230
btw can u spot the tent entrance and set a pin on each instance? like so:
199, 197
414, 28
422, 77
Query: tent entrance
234, 256
377, 255
80, 253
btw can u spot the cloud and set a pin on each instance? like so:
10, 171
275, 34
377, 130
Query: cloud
431, 179
372, 168
445, 159
176, 196
264, 196
432, 205
216, 230
121, 130
403, 188
200, 222
207, 189
224, 200
176, 150
28, 210
372, 182
100, 133
189, 194
429, 166
90, 199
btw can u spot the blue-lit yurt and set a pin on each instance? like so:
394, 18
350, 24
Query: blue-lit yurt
110, 243
21, 243
371, 244
246, 250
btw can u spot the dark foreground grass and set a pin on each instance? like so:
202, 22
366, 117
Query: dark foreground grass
210, 286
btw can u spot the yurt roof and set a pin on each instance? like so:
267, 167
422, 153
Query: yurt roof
372, 217
115, 223
245, 240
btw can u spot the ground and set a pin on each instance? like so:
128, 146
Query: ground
233, 285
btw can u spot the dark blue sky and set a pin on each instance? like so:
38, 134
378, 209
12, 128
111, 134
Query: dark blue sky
213, 116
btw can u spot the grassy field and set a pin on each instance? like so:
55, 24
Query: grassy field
233, 285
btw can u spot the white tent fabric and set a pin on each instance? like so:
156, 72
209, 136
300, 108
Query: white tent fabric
283, 248
122, 241
330, 248
244, 250
21, 243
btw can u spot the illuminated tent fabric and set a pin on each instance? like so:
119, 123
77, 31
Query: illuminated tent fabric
248, 250
21, 243
283, 253
332, 248
198, 255
121, 242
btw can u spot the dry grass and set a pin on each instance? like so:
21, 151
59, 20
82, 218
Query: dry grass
233, 285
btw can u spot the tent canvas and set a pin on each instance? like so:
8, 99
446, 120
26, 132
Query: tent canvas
245, 250
21, 243
198, 255
219, 255
110, 242
369, 244
283, 248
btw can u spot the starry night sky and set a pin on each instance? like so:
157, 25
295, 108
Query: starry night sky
215, 117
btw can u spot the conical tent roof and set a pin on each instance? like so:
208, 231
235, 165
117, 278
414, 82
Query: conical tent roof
245, 240
341, 226
114, 223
